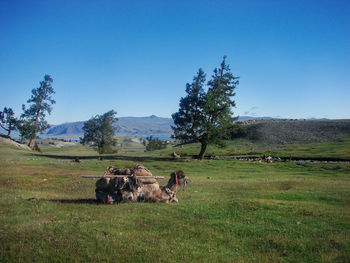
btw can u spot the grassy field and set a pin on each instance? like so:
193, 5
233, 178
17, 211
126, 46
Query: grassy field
338, 148
233, 211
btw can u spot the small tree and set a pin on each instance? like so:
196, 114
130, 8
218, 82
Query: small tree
8, 121
154, 144
99, 132
206, 117
33, 118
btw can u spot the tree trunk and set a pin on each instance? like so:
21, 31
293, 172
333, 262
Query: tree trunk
31, 142
9, 132
203, 148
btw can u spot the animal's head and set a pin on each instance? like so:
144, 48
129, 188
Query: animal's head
178, 177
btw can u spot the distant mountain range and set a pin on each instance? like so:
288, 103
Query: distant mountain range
126, 126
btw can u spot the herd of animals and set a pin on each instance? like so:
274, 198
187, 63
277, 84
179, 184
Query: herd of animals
138, 185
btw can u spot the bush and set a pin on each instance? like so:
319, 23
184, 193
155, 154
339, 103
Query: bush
154, 144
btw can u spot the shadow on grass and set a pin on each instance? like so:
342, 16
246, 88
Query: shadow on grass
76, 201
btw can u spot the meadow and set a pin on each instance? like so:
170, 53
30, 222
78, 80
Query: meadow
233, 211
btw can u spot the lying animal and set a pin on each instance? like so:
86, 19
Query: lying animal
132, 189
175, 155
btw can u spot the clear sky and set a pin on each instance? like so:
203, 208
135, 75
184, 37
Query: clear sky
292, 57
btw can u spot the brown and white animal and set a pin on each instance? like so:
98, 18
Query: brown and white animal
132, 189
152, 192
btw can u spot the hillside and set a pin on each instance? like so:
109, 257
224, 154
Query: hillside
291, 131
5, 141
126, 126
66, 129
144, 126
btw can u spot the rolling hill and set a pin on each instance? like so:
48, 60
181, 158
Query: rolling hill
291, 131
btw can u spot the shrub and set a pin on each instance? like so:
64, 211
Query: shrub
154, 144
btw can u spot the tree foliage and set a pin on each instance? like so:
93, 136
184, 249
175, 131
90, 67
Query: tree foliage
154, 144
25, 128
99, 132
206, 116
8, 121
238, 131
33, 118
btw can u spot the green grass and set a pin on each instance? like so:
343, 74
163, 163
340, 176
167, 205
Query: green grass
339, 148
233, 211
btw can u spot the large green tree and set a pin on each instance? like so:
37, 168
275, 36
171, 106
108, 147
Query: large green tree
99, 132
8, 121
206, 116
33, 118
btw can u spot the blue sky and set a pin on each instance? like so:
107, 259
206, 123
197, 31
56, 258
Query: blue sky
292, 57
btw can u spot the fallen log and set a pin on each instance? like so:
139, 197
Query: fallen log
114, 176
